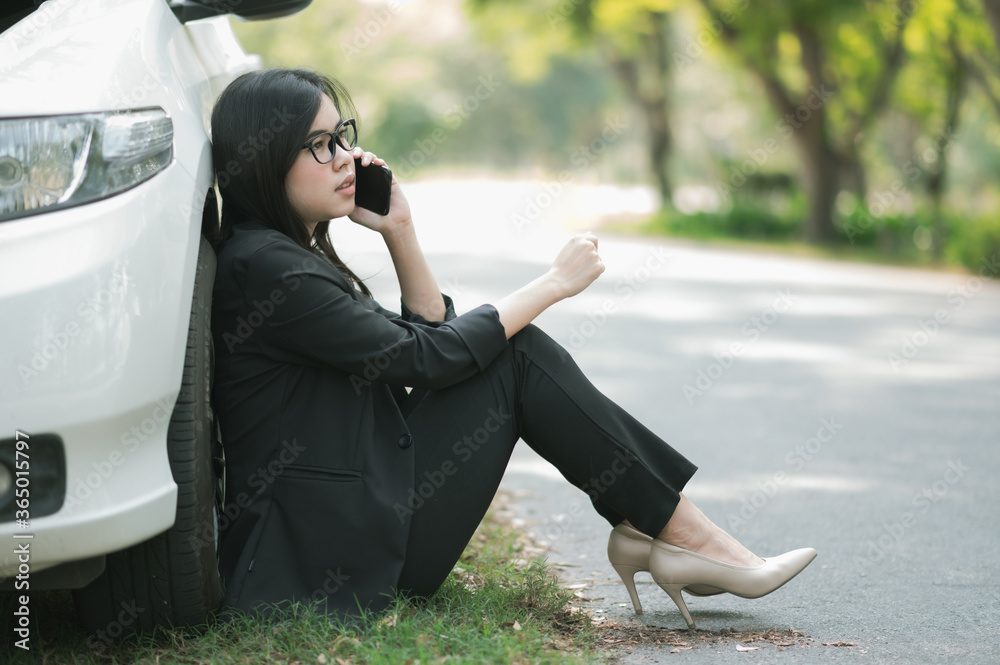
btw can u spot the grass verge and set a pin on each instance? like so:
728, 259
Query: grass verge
970, 245
788, 247
498, 605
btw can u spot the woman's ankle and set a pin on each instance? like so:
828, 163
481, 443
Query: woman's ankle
687, 527
690, 529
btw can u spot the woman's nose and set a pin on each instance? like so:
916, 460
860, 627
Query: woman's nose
343, 157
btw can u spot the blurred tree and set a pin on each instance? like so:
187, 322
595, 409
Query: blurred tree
932, 90
956, 75
992, 8
949, 47
430, 95
827, 69
984, 69
632, 36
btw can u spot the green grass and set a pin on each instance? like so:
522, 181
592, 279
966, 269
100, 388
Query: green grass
790, 247
495, 607
892, 240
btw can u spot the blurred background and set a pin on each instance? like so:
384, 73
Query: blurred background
865, 128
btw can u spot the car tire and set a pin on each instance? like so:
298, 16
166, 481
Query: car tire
173, 578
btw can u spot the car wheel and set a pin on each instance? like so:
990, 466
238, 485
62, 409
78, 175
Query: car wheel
173, 578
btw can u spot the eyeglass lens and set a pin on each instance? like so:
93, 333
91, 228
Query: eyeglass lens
323, 147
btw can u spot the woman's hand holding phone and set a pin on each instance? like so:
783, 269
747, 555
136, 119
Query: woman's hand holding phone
399, 211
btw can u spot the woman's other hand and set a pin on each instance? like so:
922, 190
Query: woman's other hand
577, 265
575, 268
399, 208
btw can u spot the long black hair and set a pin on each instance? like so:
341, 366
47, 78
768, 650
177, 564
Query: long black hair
259, 124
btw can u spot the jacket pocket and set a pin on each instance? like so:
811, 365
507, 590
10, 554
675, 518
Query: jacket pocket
304, 472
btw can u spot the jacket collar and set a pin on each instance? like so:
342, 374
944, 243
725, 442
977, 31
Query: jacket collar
256, 224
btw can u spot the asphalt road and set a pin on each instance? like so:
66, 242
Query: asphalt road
847, 407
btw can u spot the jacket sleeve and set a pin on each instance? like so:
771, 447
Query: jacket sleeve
407, 315
449, 313
316, 313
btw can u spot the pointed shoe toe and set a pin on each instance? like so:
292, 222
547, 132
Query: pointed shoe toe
674, 568
673, 565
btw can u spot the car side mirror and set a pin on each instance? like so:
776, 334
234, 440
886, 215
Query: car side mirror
251, 10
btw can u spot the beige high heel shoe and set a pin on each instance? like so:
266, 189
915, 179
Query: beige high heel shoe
628, 552
674, 569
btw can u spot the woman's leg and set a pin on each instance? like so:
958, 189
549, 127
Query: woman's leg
690, 529
464, 436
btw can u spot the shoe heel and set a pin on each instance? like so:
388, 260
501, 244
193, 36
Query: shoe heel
627, 573
674, 591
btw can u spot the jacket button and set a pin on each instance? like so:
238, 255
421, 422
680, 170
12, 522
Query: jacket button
406, 441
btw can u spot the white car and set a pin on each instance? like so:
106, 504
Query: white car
110, 466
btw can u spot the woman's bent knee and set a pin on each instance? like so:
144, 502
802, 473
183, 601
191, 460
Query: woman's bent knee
534, 341
530, 336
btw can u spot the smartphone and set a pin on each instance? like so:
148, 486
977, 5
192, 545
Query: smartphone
372, 186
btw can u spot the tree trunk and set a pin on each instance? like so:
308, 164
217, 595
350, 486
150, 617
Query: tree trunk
992, 8
939, 171
852, 170
852, 173
646, 77
821, 175
824, 167
659, 151
806, 122
658, 106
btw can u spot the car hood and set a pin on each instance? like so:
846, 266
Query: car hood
72, 56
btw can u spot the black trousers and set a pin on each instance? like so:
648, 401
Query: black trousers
464, 436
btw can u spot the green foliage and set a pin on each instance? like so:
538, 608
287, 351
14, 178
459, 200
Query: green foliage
433, 96
967, 242
742, 220
973, 241
414, 69
964, 241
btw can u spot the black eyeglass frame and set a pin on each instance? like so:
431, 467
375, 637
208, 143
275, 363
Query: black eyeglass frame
335, 136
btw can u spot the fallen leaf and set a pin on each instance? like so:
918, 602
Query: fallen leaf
839, 644
321, 658
679, 649
389, 621
740, 647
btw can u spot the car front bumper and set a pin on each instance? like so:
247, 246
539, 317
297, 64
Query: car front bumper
96, 302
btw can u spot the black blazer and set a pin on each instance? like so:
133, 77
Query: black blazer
309, 376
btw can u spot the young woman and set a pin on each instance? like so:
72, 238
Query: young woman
346, 487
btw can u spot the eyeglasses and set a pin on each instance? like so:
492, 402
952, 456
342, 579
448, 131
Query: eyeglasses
322, 147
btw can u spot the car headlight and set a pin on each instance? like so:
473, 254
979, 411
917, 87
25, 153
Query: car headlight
56, 162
